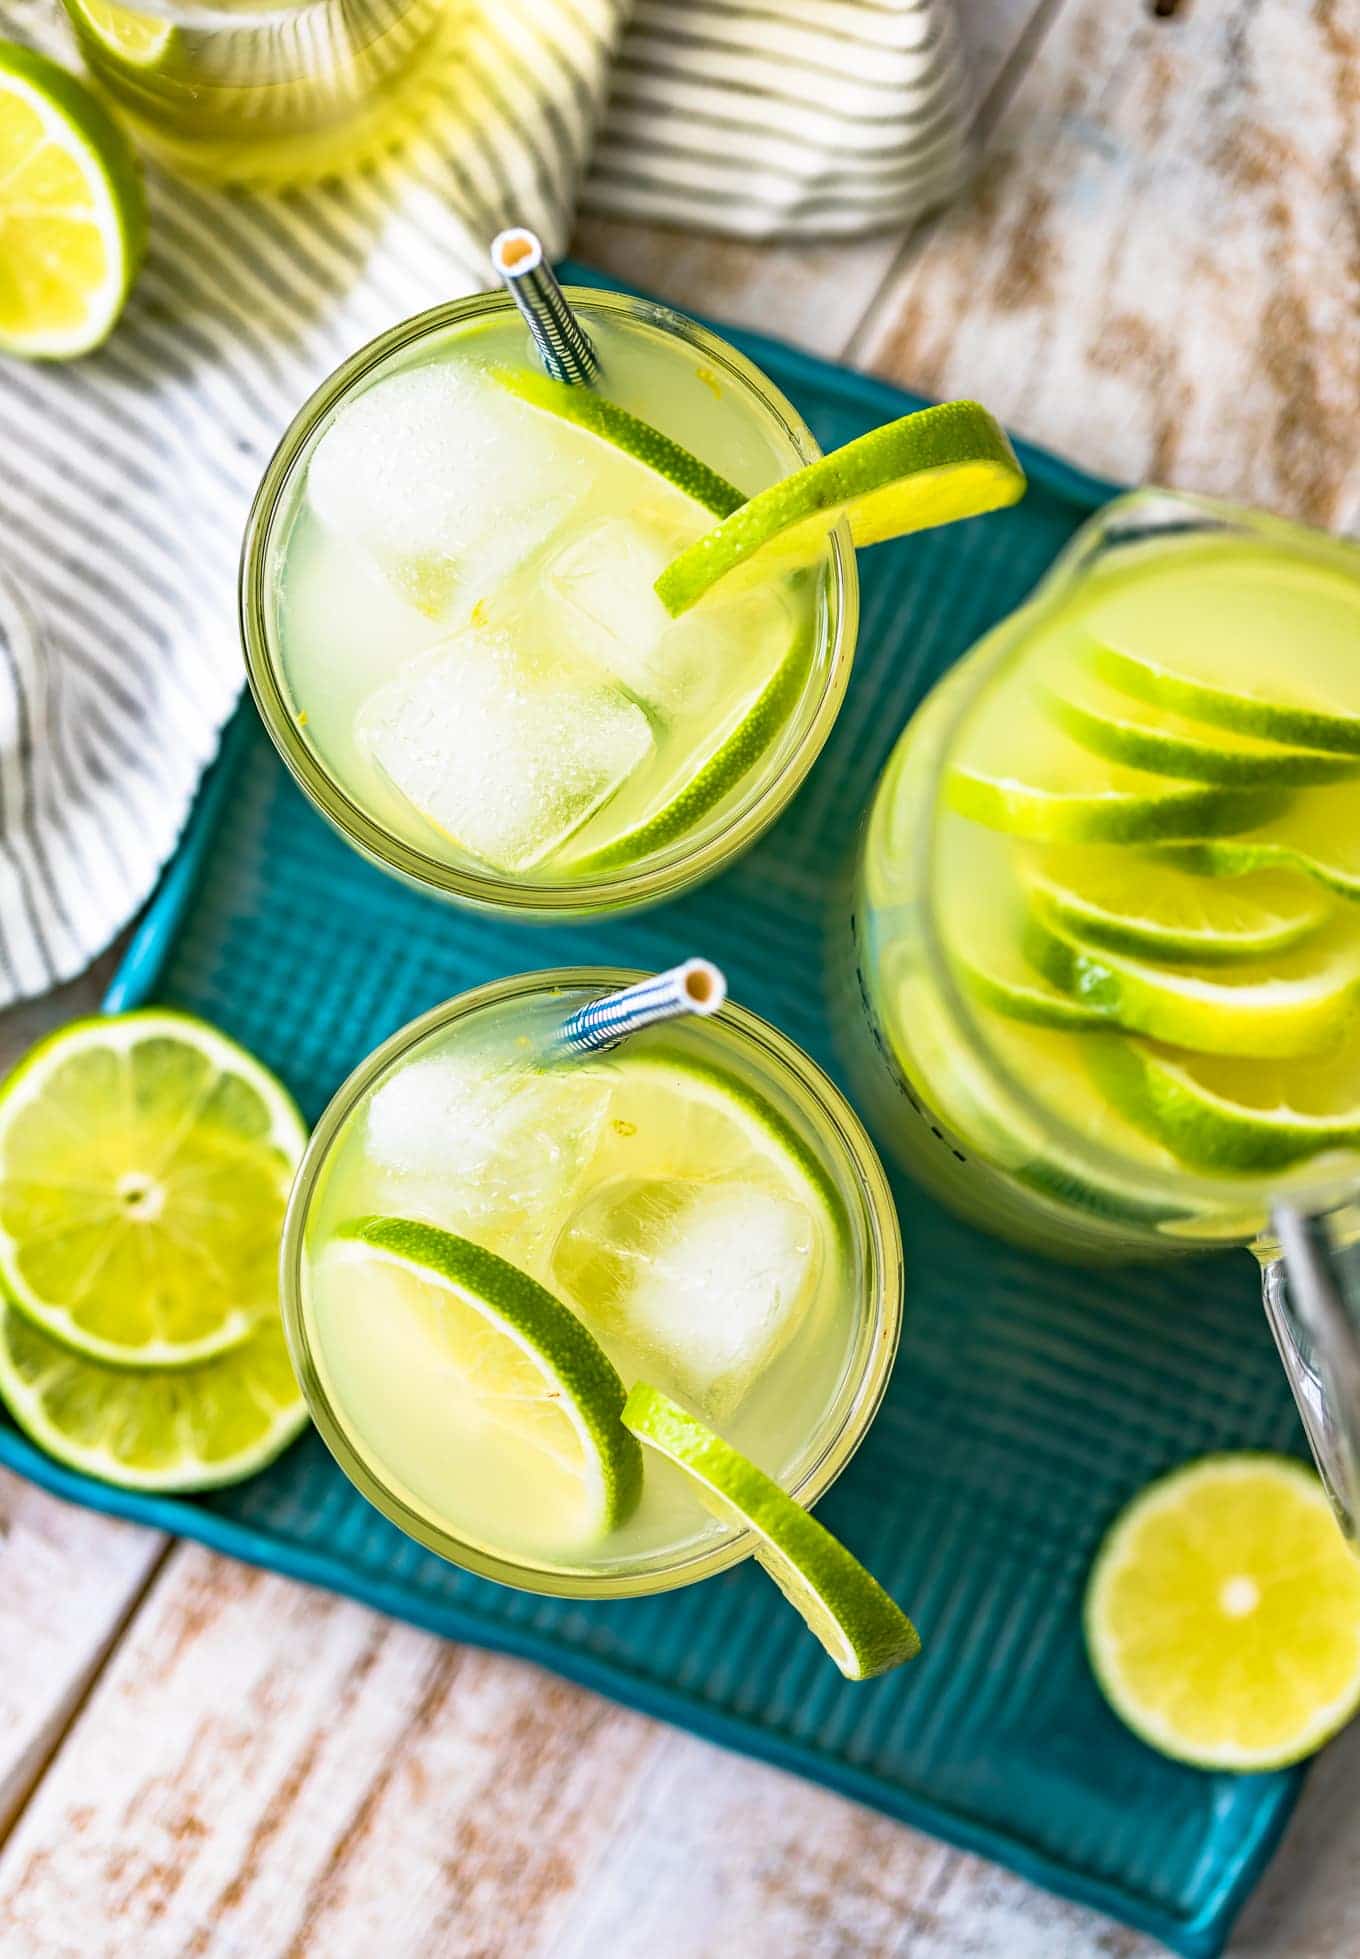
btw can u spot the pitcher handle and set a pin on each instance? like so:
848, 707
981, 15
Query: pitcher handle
1311, 1303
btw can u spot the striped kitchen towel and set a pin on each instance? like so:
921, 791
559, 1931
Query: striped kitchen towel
125, 477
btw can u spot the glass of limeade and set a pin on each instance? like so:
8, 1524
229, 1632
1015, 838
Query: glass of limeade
265, 91
451, 628
700, 1197
1107, 917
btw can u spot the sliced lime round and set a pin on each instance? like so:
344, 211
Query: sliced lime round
1135, 902
1110, 722
133, 39
180, 1428
1316, 833
535, 1371
859, 1625
985, 918
1295, 1003
145, 1163
927, 469
587, 409
72, 211
1222, 1615
1286, 704
1228, 1113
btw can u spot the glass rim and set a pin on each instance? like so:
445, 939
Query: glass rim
882, 1293
1003, 647
684, 863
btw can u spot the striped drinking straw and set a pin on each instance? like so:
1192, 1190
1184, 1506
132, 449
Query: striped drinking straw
562, 342
697, 987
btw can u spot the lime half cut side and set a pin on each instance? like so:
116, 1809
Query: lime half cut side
1222, 1615
181, 1428
145, 1163
585, 409
916, 473
862, 1629
72, 211
520, 1361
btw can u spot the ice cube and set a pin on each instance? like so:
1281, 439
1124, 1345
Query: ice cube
483, 1145
506, 760
428, 463
603, 582
704, 1281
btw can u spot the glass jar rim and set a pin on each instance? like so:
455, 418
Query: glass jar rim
1138, 517
684, 863
881, 1290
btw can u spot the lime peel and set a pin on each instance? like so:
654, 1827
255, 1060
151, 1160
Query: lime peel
862, 1629
934, 467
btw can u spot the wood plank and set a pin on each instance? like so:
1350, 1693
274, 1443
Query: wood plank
813, 294
1158, 271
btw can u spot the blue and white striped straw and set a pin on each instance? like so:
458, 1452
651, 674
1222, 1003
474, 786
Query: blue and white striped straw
564, 346
697, 987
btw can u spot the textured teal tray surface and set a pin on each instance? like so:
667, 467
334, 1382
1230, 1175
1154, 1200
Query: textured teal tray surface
1029, 1401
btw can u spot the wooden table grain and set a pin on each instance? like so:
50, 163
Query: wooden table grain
1156, 271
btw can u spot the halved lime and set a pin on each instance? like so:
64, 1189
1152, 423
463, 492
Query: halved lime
587, 409
1316, 833
1110, 722
913, 474
145, 1162
728, 765
1297, 1002
1227, 1113
179, 1428
72, 211
859, 1625
528, 1363
1133, 901
1016, 770
1222, 1616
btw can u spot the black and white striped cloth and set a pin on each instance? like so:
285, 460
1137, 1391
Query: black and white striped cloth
125, 477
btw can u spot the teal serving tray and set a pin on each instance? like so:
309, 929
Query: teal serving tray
1029, 1401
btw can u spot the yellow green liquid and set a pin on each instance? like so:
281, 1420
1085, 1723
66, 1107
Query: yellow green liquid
690, 1204
1027, 1058
460, 594
267, 94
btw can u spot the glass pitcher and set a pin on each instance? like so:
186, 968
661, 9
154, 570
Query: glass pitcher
1106, 924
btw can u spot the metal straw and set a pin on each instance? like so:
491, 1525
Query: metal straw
697, 987
562, 342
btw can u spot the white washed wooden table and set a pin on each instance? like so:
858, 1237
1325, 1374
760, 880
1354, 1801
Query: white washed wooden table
1157, 273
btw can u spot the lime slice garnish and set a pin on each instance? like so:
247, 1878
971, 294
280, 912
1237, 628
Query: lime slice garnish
1110, 722
179, 1428
1294, 1003
729, 763
1229, 1113
984, 918
859, 1625
525, 1360
145, 1162
135, 40
1141, 904
72, 211
586, 409
1222, 1615
674, 1118
913, 474
1316, 833
1016, 770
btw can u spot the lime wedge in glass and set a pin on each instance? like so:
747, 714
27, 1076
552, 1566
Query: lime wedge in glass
72, 211
1222, 1615
927, 469
585, 409
1135, 902
180, 1428
859, 1625
1296, 1002
145, 1162
519, 1359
